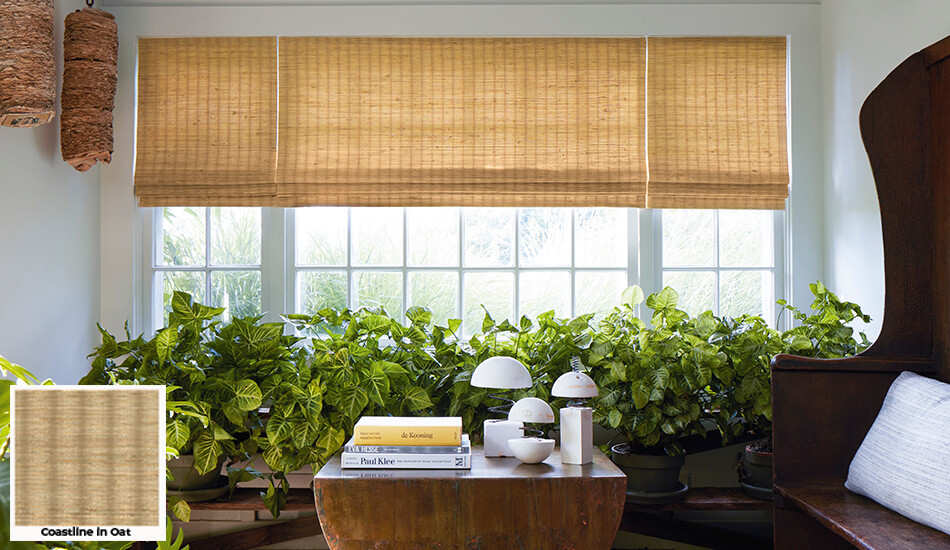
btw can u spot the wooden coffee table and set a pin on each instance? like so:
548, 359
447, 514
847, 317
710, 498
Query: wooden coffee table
499, 503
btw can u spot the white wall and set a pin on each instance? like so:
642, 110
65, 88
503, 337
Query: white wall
121, 273
862, 41
49, 250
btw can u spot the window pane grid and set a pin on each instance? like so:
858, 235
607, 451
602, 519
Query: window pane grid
236, 287
453, 260
695, 263
487, 246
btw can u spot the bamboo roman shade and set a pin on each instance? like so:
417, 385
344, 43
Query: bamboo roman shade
716, 119
461, 121
207, 122
624, 122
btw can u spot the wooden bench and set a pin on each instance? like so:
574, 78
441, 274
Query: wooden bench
822, 409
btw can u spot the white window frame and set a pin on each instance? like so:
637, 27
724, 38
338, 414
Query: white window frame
279, 269
778, 268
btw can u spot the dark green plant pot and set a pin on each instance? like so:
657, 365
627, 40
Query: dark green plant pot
187, 477
649, 474
758, 466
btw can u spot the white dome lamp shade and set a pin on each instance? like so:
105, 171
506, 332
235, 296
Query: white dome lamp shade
576, 386
531, 410
508, 374
503, 373
531, 449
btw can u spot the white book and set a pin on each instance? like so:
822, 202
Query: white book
423, 461
465, 447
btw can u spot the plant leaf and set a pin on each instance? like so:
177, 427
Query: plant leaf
177, 434
247, 396
165, 342
632, 296
352, 401
207, 450
417, 399
377, 385
180, 508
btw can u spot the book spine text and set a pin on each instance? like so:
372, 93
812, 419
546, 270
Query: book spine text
448, 436
420, 461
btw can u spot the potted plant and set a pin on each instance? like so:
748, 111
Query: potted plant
742, 402
651, 384
214, 373
742, 396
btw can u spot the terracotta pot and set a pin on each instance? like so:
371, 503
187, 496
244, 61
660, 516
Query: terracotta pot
649, 474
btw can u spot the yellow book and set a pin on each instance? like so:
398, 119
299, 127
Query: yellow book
408, 430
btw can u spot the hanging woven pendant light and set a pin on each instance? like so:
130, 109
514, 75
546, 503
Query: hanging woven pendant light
27, 66
90, 51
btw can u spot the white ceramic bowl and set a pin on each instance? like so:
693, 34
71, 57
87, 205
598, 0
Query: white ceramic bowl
531, 450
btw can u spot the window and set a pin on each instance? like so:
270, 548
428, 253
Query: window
214, 254
720, 260
456, 260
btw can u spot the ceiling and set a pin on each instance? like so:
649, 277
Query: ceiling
116, 3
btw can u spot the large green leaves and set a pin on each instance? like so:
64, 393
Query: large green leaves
376, 384
353, 400
417, 399
165, 343
247, 395
207, 450
177, 434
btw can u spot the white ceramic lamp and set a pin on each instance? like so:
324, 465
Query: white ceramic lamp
577, 420
502, 373
531, 449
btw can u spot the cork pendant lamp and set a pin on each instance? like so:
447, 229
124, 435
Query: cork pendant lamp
90, 52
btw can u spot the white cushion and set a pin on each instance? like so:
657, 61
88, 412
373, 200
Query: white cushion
904, 461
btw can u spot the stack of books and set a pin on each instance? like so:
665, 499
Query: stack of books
408, 442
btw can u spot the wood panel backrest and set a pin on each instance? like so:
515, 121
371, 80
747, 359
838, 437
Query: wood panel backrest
822, 409
905, 125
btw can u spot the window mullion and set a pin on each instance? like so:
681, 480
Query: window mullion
405, 264
646, 232
152, 288
573, 273
782, 263
460, 308
516, 294
718, 272
350, 276
274, 274
208, 299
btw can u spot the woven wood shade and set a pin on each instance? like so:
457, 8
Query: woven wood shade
207, 122
462, 121
716, 119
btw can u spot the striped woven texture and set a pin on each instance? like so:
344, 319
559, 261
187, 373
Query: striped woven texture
207, 122
370, 121
87, 457
904, 461
716, 123
461, 121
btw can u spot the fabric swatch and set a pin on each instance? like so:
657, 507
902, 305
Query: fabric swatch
88, 455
